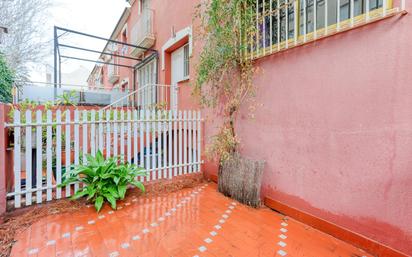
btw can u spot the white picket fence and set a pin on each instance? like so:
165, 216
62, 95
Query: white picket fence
165, 143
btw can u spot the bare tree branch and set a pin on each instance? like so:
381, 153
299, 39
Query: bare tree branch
24, 44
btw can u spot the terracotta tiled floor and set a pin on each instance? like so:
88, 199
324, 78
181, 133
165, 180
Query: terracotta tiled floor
191, 222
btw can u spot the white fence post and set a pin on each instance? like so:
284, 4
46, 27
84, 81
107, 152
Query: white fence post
180, 143
129, 136
17, 157
108, 140
85, 137
164, 145
101, 132
93, 133
28, 158
122, 134
76, 143
135, 137
199, 141
68, 149
39, 157
153, 145
185, 142
58, 153
141, 141
170, 142
190, 141
49, 161
175, 143
147, 148
159, 144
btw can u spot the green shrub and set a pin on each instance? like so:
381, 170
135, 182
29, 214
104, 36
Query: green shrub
104, 180
6, 81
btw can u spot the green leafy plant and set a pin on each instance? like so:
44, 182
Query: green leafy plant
104, 180
6, 81
67, 98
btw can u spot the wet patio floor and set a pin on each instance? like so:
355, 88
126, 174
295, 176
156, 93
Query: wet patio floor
192, 222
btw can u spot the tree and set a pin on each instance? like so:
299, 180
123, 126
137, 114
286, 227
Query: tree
6, 81
24, 44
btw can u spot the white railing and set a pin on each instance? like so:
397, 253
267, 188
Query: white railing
308, 22
166, 143
143, 27
151, 97
113, 71
142, 33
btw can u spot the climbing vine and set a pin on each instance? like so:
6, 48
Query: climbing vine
224, 73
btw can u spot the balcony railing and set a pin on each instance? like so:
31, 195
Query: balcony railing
142, 33
113, 72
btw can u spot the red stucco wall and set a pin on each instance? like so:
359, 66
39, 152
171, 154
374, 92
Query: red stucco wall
4, 168
335, 129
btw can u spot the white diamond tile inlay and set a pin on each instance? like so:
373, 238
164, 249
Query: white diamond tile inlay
51, 242
283, 236
282, 253
202, 248
284, 230
282, 244
66, 235
125, 245
114, 254
33, 251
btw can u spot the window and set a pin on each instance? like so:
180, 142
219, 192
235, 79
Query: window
186, 61
359, 7
180, 64
278, 20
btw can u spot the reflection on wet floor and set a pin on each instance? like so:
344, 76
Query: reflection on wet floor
191, 222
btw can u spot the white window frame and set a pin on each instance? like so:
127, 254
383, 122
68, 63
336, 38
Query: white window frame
186, 32
186, 62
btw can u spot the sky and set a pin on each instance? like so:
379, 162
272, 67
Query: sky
97, 17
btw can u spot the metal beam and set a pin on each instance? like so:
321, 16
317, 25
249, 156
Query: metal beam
55, 63
106, 39
88, 60
98, 52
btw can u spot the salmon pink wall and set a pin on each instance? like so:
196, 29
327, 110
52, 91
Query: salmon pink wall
334, 125
5, 168
335, 129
